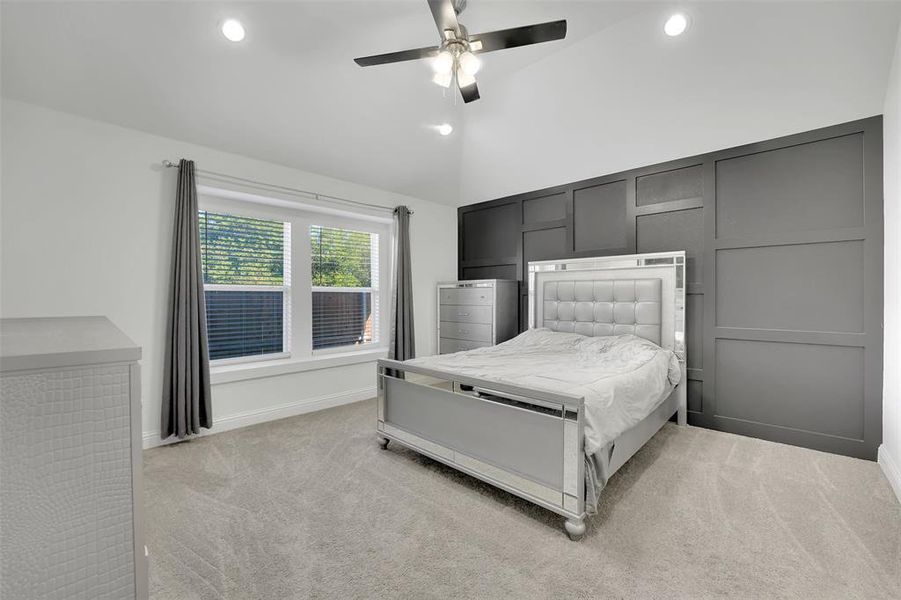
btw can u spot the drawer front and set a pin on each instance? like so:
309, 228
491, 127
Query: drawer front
475, 332
480, 296
462, 313
448, 346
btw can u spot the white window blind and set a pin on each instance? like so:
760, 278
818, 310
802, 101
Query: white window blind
345, 284
246, 274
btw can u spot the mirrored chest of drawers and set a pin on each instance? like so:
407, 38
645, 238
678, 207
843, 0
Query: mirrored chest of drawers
476, 313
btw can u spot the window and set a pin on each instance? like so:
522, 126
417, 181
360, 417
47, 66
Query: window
246, 284
345, 301
283, 282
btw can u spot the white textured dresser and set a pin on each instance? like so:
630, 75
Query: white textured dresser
476, 313
70, 461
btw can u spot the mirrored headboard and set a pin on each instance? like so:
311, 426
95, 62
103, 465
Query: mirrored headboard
641, 294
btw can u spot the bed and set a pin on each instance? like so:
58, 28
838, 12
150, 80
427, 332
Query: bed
552, 414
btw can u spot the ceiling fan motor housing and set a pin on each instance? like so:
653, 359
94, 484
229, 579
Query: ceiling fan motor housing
454, 44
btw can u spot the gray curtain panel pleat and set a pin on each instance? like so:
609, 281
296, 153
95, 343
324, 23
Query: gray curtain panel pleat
401, 345
186, 373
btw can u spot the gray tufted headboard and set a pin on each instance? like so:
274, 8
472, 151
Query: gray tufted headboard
641, 294
599, 307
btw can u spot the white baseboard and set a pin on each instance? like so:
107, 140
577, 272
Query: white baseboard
272, 413
891, 469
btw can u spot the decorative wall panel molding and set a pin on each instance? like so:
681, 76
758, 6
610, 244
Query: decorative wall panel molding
784, 246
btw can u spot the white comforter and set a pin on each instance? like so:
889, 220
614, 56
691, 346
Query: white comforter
623, 378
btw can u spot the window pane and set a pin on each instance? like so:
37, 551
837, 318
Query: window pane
342, 261
240, 250
342, 258
341, 318
244, 323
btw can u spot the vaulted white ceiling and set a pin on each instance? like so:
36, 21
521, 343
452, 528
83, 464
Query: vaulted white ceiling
593, 103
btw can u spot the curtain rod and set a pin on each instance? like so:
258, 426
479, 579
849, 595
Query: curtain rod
316, 196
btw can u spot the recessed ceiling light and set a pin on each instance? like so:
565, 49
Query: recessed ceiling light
445, 129
233, 30
676, 25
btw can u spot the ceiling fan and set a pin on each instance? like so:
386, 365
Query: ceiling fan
455, 58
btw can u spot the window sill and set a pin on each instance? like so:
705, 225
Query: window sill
286, 366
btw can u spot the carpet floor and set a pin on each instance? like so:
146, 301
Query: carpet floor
310, 507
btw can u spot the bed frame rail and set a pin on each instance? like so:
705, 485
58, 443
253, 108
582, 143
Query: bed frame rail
527, 442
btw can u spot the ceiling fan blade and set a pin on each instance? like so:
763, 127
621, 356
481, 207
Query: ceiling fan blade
519, 36
393, 57
470, 93
445, 16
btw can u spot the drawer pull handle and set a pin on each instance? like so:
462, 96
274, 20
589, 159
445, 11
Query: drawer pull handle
462, 314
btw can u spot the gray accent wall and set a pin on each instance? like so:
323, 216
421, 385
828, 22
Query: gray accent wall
784, 243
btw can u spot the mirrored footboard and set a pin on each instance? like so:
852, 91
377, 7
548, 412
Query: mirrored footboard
527, 442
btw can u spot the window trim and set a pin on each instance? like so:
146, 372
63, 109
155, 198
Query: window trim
298, 340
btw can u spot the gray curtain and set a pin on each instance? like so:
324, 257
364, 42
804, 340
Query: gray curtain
401, 345
186, 372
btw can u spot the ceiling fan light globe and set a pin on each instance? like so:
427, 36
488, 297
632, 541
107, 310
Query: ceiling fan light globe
443, 79
443, 63
469, 63
464, 79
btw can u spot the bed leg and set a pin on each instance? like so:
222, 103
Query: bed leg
575, 529
383, 442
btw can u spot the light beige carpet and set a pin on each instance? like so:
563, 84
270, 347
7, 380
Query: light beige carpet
310, 507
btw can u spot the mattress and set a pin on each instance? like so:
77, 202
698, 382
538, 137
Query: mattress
623, 378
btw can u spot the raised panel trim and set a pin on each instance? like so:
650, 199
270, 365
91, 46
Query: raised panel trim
673, 206
539, 225
787, 428
823, 134
800, 402
558, 197
792, 336
820, 236
842, 252
489, 262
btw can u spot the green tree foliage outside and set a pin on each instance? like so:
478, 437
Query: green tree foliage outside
341, 258
240, 250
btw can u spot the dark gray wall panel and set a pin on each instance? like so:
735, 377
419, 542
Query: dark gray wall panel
799, 386
670, 186
545, 208
599, 216
679, 230
817, 185
695, 396
805, 287
490, 272
491, 232
784, 241
543, 244
694, 334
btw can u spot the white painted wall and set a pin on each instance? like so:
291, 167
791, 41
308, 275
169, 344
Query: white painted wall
628, 96
86, 228
890, 452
